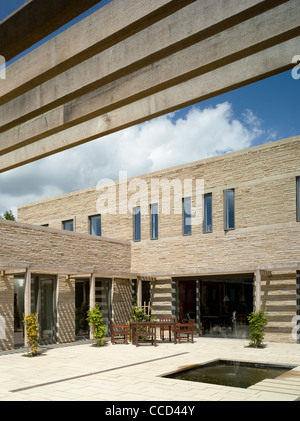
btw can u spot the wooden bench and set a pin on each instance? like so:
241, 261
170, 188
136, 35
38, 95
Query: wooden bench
143, 332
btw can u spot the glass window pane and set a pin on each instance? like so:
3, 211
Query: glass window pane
207, 223
68, 225
229, 209
187, 223
137, 223
19, 289
154, 221
95, 225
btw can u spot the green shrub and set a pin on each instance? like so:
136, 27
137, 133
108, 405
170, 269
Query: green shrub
257, 323
96, 322
138, 315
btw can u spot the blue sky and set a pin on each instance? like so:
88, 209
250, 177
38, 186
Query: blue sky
261, 112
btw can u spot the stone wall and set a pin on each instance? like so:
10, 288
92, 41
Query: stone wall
65, 309
122, 300
27, 244
278, 299
161, 297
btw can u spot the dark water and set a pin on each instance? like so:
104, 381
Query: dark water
230, 373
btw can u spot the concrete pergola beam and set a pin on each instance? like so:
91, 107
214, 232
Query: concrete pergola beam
197, 59
182, 29
35, 20
234, 75
101, 30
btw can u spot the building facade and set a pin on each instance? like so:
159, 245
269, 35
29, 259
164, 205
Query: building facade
212, 240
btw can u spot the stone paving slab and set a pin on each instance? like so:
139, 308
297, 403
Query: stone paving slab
128, 373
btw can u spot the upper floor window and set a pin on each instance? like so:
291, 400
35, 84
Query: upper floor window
187, 214
207, 217
154, 221
137, 223
229, 217
95, 225
298, 199
68, 225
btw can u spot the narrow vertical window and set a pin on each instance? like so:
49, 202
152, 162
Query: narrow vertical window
68, 225
154, 221
298, 199
187, 213
229, 217
137, 223
207, 220
95, 225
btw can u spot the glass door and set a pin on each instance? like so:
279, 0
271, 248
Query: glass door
225, 305
44, 303
47, 324
186, 300
19, 285
82, 299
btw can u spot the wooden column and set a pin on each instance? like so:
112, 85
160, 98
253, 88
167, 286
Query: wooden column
27, 292
27, 298
92, 298
139, 292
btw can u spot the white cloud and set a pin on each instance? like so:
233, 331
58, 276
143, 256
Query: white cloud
157, 144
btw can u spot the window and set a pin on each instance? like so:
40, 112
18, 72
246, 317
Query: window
207, 220
137, 223
95, 225
154, 221
298, 198
229, 210
68, 225
186, 211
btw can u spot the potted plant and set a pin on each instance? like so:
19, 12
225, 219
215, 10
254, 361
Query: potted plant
96, 322
257, 323
32, 333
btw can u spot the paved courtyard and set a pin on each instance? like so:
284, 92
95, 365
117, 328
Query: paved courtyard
81, 372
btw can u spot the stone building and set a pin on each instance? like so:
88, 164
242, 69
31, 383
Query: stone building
212, 240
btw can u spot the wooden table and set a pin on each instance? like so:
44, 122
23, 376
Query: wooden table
147, 330
167, 325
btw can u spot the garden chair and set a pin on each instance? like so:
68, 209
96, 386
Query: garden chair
119, 333
143, 332
166, 328
184, 331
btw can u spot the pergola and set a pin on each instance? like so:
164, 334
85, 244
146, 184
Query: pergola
128, 62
